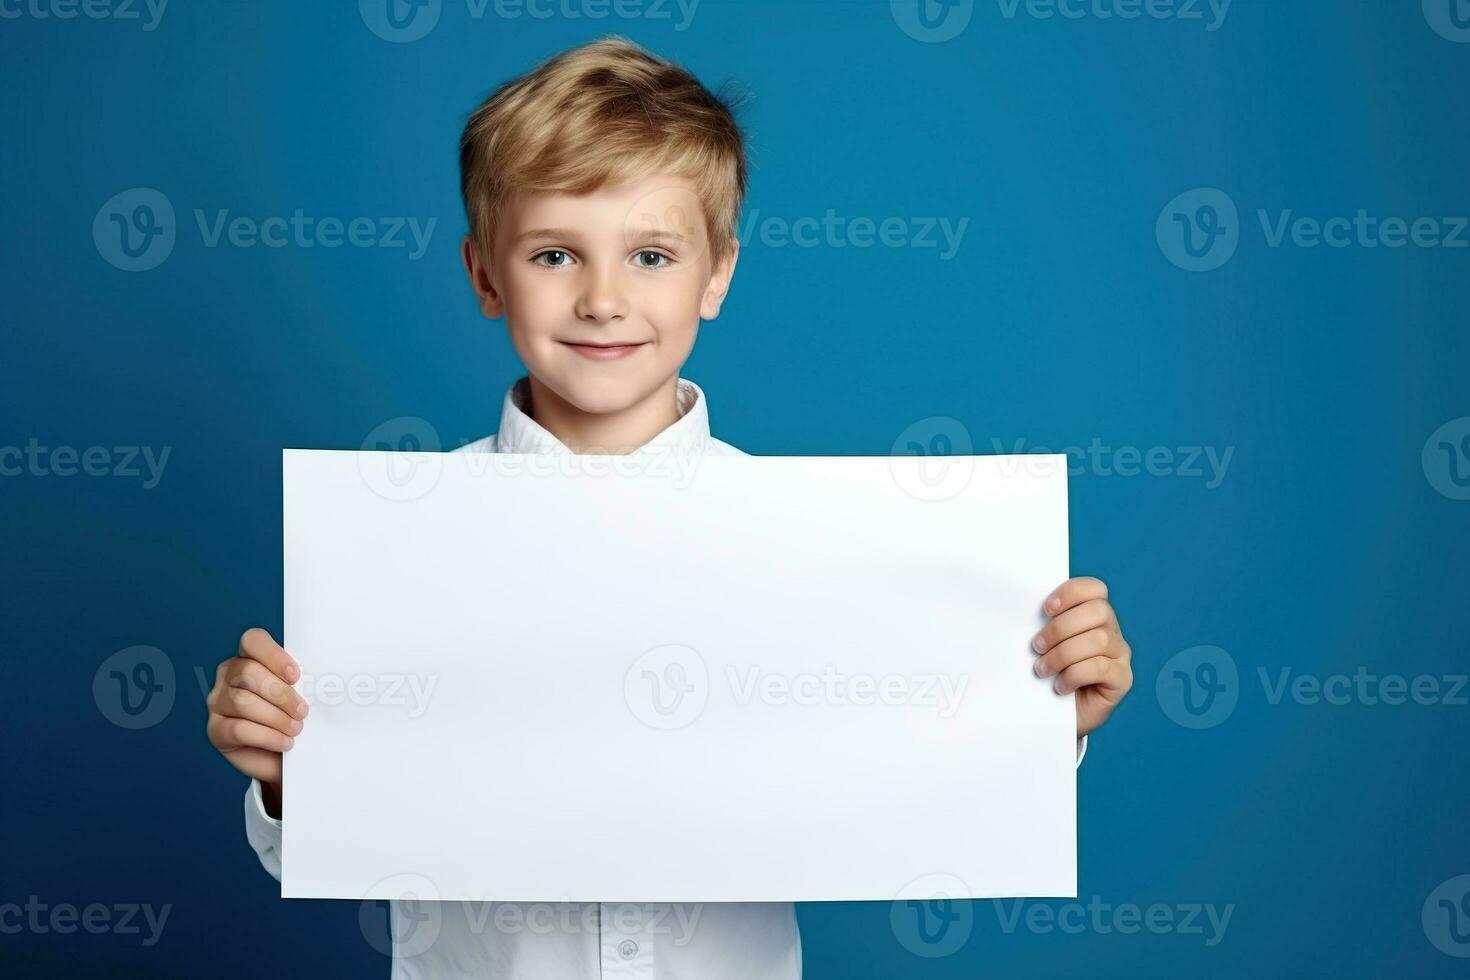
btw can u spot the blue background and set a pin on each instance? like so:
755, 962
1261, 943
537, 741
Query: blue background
1325, 548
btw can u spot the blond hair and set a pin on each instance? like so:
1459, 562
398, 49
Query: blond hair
602, 114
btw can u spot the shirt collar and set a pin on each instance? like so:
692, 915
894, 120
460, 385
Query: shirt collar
519, 433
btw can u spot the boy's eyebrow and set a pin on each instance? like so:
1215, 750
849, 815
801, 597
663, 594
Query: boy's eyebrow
543, 233
642, 234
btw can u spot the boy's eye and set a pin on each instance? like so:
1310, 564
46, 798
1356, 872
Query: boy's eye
555, 258
652, 260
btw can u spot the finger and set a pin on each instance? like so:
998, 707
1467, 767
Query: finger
237, 702
1074, 591
228, 734
251, 676
1109, 676
258, 645
1084, 646
1077, 620
255, 763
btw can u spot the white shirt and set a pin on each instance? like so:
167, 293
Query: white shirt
582, 941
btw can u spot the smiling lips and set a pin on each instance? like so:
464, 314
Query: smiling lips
604, 352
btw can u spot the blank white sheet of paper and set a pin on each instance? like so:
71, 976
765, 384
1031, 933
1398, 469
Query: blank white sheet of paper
710, 679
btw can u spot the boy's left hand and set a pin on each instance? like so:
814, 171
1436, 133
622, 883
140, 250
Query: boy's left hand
1083, 648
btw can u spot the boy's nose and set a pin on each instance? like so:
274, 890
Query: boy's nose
603, 299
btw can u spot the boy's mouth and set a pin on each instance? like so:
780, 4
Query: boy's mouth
604, 352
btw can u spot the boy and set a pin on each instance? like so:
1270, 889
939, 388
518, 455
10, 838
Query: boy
603, 191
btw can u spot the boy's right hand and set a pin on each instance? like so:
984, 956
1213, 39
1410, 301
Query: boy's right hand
254, 714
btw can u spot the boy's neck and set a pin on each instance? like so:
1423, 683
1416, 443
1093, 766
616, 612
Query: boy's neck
616, 433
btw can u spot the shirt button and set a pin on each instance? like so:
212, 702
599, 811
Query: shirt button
627, 949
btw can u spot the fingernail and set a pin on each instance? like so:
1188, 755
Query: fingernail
295, 727
1038, 643
301, 709
289, 742
292, 672
1041, 668
1052, 604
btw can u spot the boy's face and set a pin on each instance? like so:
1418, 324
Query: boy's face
603, 292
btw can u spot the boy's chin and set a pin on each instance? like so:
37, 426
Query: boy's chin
602, 395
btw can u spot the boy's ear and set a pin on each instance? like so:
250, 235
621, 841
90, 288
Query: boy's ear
719, 283
492, 304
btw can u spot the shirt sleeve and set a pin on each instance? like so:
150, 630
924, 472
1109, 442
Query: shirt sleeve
262, 830
1081, 751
